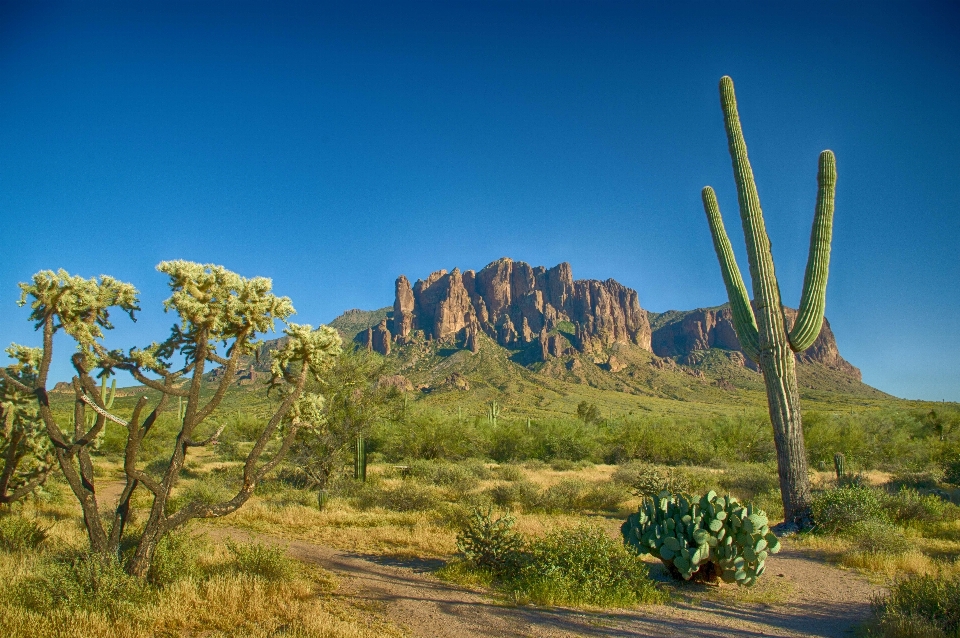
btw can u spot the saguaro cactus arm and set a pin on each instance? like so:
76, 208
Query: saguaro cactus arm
765, 290
743, 319
814, 297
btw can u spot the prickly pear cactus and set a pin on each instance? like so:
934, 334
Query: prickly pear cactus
713, 536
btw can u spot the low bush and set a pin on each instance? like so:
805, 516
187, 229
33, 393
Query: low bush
563, 465
582, 566
490, 543
522, 493
877, 537
177, 557
919, 606
951, 470
18, 534
509, 472
563, 496
603, 497
748, 481
647, 479
910, 506
267, 562
83, 581
840, 509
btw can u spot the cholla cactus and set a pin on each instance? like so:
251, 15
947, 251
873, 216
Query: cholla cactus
25, 454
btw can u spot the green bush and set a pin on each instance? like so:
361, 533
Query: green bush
909, 506
748, 481
490, 543
647, 479
919, 606
840, 509
508, 472
603, 497
262, 561
951, 470
522, 493
877, 537
177, 557
18, 534
407, 496
564, 496
582, 566
83, 581
563, 465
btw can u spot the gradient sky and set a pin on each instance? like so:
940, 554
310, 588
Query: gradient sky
334, 146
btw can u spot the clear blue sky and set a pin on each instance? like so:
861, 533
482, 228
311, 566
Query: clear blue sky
334, 146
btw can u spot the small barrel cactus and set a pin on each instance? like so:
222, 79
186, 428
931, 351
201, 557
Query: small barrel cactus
713, 536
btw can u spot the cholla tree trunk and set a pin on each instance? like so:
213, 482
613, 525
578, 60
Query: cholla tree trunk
760, 326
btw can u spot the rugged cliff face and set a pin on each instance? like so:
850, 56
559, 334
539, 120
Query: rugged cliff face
685, 333
517, 304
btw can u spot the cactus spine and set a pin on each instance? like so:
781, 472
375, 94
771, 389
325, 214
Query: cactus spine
838, 460
763, 334
360, 460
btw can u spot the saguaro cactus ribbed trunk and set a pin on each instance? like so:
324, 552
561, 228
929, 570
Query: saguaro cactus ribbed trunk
761, 328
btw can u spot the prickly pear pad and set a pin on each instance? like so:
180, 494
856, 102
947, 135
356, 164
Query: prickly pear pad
703, 538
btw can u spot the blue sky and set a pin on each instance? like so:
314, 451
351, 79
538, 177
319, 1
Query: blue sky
334, 146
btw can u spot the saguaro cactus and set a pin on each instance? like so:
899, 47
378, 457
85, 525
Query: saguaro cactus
360, 460
761, 328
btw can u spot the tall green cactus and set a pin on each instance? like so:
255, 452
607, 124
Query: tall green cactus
107, 396
360, 460
761, 327
838, 460
493, 413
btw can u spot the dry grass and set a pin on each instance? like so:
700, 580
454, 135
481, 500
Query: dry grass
342, 527
225, 604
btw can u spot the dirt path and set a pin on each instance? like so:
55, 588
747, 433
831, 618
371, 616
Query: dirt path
820, 600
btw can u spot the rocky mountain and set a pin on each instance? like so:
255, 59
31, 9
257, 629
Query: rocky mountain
681, 334
546, 313
515, 305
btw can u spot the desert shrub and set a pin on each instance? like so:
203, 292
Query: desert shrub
508, 472
927, 606
18, 534
563, 496
490, 543
923, 480
749, 480
603, 497
535, 464
840, 509
909, 505
582, 566
210, 488
521, 493
647, 479
407, 496
570, 440
477, 468
951, 469
83, 581
877, 537
563, 465
262, 561
177, 556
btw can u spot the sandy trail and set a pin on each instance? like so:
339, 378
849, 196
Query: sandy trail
822, 601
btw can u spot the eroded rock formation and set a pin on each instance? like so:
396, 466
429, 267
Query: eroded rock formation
706, 328
516, 304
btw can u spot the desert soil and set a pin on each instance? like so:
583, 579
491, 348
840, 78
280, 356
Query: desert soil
812, 598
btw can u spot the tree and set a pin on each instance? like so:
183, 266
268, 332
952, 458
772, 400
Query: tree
25, 455
761, 327
353, 403
588, 412
215, 306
